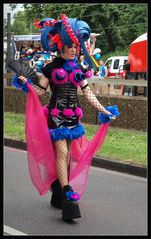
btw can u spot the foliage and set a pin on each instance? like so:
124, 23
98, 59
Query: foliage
117, 24
123, 52
19, 26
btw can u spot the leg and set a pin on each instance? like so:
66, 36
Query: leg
70, 208
62, 172
61, 161
69, 142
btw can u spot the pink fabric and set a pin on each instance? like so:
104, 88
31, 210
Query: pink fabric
68, 112
82, 154
41, 155
88, 74
60, 81
79, 112
55, 112
46, 111
72, 77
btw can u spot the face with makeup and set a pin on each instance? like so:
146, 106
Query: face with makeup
69, 52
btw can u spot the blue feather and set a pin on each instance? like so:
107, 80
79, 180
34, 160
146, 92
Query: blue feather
66, 133
68, 67
106, 118
16, 82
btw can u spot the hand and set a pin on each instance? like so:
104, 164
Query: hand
23, 79
109, 113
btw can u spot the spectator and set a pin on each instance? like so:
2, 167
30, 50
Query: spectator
30, 49
83, 62
23, 52
103, 72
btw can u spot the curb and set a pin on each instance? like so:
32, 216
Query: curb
96, 162
120, 166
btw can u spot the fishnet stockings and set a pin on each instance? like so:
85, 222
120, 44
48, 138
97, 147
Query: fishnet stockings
93, 100
62, 148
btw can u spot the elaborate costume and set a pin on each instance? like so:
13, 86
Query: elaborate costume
61, 118
64, 112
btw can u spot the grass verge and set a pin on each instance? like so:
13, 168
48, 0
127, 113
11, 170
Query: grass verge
120, 144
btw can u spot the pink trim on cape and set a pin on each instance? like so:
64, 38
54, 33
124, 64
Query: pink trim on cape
41, 154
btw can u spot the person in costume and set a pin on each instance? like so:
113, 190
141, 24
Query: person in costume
59, 154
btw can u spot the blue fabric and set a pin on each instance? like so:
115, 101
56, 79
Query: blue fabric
80, 28
85, 63
45, 20
45, 40
70, 67
105, 118
66, 133
16, 82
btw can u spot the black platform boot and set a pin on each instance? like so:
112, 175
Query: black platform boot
70, 207
57, 194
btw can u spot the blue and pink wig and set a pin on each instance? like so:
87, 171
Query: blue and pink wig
65, 31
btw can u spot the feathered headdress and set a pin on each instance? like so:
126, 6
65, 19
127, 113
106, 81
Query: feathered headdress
65, 31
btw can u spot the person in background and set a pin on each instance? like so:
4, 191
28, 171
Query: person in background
103, 72
83, 62
23, 51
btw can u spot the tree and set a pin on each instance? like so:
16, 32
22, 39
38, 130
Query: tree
117, 24
19, 26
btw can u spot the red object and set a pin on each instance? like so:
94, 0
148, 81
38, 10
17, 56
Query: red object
138, 54
113, 74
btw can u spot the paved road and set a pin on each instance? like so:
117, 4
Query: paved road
113, 204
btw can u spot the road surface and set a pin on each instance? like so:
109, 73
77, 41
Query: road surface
114, 203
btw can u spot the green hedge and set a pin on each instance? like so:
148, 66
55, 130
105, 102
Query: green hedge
133, 109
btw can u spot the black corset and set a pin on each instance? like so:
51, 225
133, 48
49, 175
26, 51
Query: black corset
63, 96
